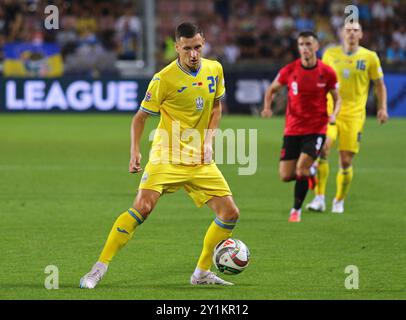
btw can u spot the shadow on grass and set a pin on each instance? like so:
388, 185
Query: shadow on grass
119, 285
172, 286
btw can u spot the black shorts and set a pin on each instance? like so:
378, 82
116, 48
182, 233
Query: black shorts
310, 144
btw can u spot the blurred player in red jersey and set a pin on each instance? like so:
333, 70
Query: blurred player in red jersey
308, 80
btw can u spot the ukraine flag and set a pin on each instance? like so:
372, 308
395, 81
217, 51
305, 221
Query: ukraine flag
24, 59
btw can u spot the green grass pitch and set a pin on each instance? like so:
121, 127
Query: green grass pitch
64, 180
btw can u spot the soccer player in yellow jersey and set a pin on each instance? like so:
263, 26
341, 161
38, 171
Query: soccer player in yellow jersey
355, 66
187, 96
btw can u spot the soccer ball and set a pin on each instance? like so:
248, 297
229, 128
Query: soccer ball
231, 256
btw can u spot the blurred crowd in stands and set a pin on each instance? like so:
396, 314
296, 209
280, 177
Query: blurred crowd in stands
97, 33
265, 30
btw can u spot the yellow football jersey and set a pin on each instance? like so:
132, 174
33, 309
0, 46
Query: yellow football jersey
354, 73
184, 102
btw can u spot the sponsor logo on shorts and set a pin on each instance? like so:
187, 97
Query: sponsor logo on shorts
144, 177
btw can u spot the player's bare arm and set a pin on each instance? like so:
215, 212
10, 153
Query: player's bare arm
382, 113
213, 125
337, 105
137, 128
268, 98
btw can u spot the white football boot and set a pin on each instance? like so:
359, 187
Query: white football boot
209, 278
318, 204
338, 206
92, 278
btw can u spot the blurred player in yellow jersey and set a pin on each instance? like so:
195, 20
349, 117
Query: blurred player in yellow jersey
187, 96
355, 66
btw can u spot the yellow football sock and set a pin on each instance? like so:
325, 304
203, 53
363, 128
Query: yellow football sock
218, 230
344, 178
323, 171
122, 231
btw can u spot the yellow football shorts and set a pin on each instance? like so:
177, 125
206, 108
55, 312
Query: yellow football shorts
201, 182
348, 132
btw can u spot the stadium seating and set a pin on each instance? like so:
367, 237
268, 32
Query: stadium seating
255, 30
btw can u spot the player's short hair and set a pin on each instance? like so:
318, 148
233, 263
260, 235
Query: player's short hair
308, 33
187, 30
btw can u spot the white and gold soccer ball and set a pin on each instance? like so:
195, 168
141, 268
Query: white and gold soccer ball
231, 256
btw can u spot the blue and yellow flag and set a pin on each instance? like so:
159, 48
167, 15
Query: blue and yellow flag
25, 59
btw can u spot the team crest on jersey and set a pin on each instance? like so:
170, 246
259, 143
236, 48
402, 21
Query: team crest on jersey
199, 103
346, 73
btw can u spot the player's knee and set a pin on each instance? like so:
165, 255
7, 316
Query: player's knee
231, 213
346, 160
144, 207
346, 163
286, 177
302, 172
